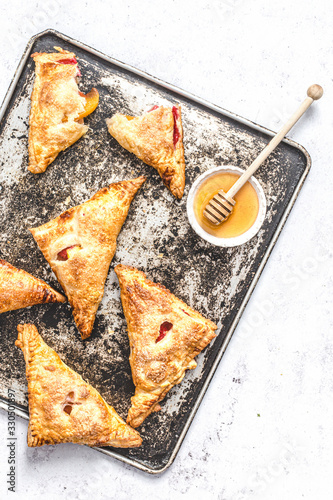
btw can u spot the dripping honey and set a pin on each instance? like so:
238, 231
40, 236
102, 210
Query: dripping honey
244, 213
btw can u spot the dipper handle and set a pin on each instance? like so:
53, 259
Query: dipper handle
314, 93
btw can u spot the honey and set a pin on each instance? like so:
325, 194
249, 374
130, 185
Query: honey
244, 213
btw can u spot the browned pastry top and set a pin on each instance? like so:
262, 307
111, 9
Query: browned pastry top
62, 406
56, 105
165, 335
20, 289
80, 244
157, 139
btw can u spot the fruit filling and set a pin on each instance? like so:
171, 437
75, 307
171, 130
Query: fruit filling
68, 61
92, 99
68, 409
153, 108
71, 60
69, 402
176, 133
63, 255
164, 328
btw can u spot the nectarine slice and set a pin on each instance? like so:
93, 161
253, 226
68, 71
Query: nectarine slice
92, 99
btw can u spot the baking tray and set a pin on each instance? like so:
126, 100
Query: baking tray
156, 236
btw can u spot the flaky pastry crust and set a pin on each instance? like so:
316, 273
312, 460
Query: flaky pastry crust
19, 289
63, 408
55, 106
80, 244
165, 335
151, 138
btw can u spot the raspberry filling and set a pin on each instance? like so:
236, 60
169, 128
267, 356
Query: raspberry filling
63, 255
68, 61
68, 409
175, 113
69, 402
176, 133
71, 60
185, 312
164, 328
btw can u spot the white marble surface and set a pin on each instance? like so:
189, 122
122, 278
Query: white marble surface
257, 59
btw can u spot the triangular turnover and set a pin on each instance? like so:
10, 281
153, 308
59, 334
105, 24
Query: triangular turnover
80, 244
156, 138
19, 289
165, 335
63, 407
57, 107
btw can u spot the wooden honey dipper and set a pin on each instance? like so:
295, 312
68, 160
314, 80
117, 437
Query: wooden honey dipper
221, 205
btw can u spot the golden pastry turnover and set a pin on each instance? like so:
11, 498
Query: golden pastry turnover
157, 139
63, 408
57, 107
80, 244
19, 289
165, 335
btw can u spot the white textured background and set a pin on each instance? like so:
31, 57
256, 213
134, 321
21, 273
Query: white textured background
255, 58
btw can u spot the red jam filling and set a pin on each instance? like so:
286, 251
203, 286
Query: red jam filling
68, 409
68, 61
185, 312
153, 108
63, 254
69, 402
176, 133
164, 328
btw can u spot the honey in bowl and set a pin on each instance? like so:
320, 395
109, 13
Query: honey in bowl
244, 213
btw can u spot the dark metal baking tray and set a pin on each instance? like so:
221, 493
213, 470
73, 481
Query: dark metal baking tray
156, 237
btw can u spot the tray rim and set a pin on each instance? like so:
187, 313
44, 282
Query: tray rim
253, 125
